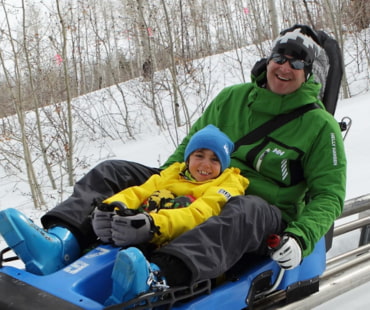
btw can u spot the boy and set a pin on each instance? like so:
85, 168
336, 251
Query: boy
204, 176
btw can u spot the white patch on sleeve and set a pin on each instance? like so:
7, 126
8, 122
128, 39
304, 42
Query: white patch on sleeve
225, 193
334, 149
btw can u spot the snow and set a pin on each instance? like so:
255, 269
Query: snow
152, 147
357, 143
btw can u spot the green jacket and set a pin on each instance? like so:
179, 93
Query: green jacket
305, 155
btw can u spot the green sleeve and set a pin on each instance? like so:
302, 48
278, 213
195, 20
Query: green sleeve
325, 174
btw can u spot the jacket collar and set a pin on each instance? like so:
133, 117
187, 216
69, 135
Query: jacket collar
264, 101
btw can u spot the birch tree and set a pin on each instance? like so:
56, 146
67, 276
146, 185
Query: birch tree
69, 146
18, 99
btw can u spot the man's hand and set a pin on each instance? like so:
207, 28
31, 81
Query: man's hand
288, 254
129, 228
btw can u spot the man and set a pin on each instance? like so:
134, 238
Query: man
305, 157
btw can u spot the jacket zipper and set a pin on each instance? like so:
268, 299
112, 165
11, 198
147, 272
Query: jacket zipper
260, 159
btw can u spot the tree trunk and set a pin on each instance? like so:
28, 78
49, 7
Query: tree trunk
69, 146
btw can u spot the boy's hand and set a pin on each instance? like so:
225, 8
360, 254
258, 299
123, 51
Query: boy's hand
102, 224
102, 217
129, 228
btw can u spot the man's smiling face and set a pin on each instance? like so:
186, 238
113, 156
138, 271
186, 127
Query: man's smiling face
283, 79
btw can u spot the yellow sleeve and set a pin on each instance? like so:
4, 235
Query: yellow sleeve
174, 222
133, 196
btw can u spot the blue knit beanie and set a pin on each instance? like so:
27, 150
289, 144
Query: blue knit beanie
212, 138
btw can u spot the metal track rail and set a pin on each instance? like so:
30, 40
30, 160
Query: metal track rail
345, 271
335, 285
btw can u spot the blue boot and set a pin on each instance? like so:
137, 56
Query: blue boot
133, 275
43, 252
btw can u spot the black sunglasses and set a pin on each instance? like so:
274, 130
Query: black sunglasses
296, 64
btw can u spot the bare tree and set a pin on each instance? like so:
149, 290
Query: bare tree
18, 98
69, 146
148, 59
35, 100
360, 11
274, 18
175, 88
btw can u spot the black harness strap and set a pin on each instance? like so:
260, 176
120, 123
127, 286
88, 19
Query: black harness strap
272, 125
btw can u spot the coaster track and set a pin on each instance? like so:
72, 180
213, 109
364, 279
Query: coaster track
345, 271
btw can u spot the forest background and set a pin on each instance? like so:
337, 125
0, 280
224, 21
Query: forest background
55, 54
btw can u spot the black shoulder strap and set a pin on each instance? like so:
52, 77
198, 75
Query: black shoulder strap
272, 125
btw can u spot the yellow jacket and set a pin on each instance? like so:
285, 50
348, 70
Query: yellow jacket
210, 196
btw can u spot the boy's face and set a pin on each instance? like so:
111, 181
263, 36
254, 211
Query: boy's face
204, 165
